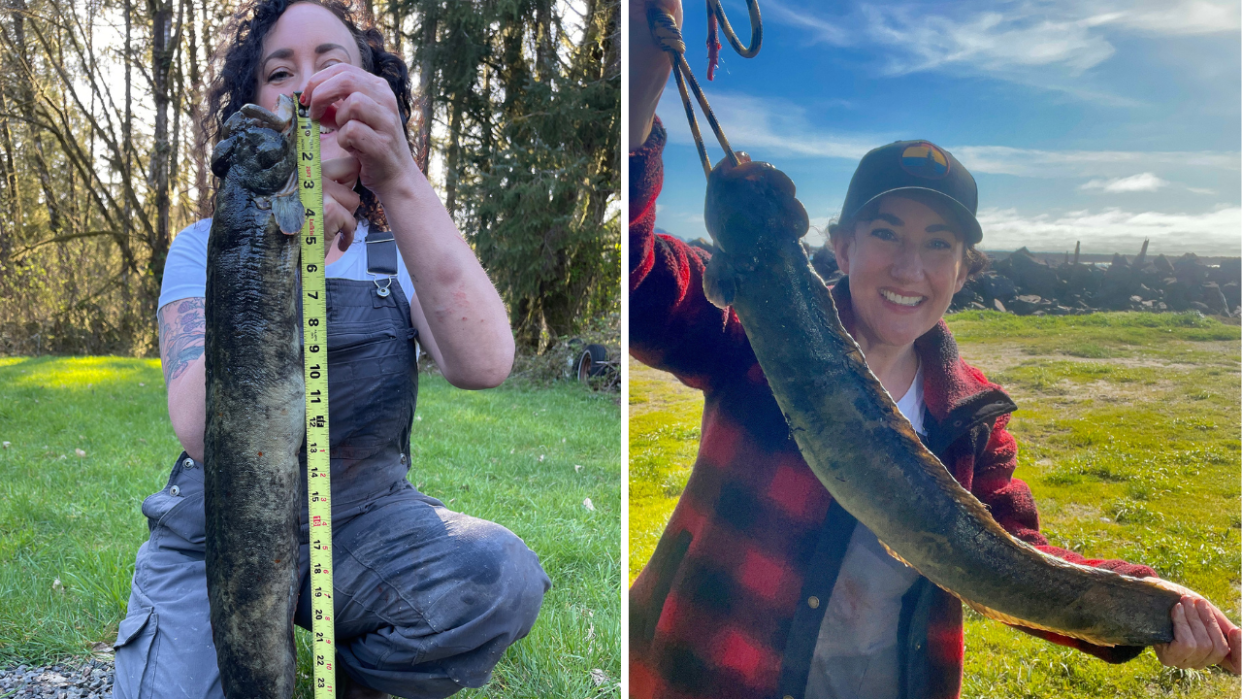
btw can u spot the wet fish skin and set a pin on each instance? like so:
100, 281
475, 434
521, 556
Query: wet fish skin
865, 452
255, 405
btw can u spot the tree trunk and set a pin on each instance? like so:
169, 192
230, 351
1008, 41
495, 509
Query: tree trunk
526, 325
13, 188
454, 153
545, 57
26, 105
161, 60
394, 15
426, 82
178, 80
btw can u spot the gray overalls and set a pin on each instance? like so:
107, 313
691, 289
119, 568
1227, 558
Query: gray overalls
427, 599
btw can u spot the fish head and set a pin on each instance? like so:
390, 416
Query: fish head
752, 204
258, 147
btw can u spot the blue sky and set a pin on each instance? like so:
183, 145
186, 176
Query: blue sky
1105, 121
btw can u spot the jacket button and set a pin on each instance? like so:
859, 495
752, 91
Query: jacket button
788, 696
812, 602
175, 490
187, 463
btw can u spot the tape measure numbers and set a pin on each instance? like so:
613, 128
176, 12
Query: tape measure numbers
315, 356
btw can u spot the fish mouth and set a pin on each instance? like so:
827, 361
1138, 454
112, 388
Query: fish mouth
901, 299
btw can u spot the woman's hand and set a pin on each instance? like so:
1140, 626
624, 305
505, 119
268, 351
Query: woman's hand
1202, 635
749, 204
340, 201
461, 320
363, 110
649, 67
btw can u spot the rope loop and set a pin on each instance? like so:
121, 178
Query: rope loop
756, 27
668, 37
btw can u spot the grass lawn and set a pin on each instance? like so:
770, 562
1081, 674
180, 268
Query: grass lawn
1128, 434
70, 523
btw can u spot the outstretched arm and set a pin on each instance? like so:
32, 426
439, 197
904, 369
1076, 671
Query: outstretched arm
1203, 635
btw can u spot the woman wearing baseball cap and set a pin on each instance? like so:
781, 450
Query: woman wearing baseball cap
761, 585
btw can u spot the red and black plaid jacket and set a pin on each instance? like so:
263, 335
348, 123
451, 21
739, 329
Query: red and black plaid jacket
731, 602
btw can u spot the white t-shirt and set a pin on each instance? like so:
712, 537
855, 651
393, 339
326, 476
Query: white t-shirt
856, 655
185, 270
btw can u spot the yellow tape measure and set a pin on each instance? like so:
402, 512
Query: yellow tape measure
315, 356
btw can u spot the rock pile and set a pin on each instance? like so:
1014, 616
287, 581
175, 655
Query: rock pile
89, 678
1023, 284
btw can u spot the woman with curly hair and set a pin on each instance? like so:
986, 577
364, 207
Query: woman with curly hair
428, 599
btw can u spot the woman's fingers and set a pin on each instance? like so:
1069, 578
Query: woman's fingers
1219, 648
1174, 654
1198, 644
337, 82
338, 221
363, 111
1202, 635
1198, 639
343, 170
1233, 662
361, 120
330, 86
340, 201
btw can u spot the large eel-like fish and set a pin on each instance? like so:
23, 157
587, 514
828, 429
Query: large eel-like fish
255, 404
864, 451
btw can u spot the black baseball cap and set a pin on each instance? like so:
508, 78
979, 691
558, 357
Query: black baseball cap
915, 165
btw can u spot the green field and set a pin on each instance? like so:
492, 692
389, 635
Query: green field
1128, 434
70, 523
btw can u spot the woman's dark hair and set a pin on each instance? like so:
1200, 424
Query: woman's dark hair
237, 74
975, 260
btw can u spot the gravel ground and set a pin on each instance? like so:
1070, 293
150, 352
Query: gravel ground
87, 678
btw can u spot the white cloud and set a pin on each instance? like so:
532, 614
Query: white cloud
768, 127
978, 38
1174, 17
822, 29
989, 41
763, 126
1017, 41
1145, 182
1115, 230
1026, 162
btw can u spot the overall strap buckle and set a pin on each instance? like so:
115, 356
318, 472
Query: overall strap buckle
382, 260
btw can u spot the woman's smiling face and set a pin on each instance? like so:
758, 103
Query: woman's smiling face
306, 39
904, 266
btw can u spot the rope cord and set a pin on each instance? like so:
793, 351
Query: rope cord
668, 37
756, 28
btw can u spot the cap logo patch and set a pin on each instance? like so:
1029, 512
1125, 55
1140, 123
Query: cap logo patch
925, 160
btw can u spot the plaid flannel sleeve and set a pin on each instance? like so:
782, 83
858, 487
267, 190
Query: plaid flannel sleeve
673, 327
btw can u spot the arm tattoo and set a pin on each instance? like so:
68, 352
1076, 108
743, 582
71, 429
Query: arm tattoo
182, 331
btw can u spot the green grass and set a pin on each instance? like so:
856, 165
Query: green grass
1128, 434
70, 525
664, 438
